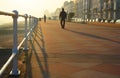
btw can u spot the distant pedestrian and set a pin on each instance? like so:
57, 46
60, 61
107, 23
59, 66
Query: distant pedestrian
62, 17
45, 18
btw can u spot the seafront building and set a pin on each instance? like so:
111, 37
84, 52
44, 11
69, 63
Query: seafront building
69, 6
94, 10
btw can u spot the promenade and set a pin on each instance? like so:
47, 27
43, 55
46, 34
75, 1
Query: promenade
78, 51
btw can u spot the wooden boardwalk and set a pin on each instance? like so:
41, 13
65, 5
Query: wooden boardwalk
78, 51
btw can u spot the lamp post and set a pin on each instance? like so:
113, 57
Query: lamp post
83, 11
114, 10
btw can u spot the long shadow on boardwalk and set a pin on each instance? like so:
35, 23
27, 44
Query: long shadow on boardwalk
38, 39
88, 58
28, 64
93, 36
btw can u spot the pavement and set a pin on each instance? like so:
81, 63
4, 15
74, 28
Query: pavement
78, 51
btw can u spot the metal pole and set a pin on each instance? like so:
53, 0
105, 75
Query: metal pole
30, 24
25, 43
15, 44
84, 11
114, 10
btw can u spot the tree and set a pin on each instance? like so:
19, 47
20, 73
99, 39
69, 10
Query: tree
70, 16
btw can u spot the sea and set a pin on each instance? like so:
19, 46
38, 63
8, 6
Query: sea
7, 19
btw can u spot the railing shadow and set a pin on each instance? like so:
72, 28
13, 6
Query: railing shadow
93, 36
28, 57
90, 58
38, 35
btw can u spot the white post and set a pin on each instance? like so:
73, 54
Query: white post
84, 10
25, 43
34, 22
15, 44
115, 9
30, 24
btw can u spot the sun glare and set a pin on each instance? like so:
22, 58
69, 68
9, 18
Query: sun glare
33, 7
23, 3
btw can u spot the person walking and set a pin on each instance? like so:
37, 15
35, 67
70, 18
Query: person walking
45, 18
62, 17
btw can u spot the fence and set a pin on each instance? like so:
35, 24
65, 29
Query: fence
33, 21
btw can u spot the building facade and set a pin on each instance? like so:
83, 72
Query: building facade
97, 10
69, 6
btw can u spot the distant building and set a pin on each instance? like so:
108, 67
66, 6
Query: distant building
96, 10
55, 16
111, 10
69, 6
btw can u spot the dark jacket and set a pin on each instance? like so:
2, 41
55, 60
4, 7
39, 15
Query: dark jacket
63, 15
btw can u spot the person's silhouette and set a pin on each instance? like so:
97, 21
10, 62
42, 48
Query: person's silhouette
62, 17
45, 18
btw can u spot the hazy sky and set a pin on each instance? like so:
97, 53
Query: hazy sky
33, 7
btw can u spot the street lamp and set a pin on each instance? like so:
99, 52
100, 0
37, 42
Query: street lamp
83, 11
114, 11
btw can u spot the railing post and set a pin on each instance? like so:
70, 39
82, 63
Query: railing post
15, 50
32, 22
25, 43
15, 70
30, 26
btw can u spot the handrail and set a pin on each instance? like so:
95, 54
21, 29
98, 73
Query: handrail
10, 14
7, 63
32, 23
24, 39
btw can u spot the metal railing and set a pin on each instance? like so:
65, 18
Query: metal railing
33, 21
